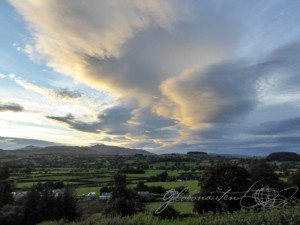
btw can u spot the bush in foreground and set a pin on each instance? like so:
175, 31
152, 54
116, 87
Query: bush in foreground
288, 216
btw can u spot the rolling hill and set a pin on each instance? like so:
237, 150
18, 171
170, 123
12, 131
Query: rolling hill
284, 156
77, 150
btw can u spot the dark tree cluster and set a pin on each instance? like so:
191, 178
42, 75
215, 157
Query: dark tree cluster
231, 177
160, 177
123, 202
41, 203
5, 187
197, 153
133, 170
284, 156
152, 189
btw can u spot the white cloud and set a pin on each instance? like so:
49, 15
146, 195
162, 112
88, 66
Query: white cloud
171, 57
129, 48
57, 101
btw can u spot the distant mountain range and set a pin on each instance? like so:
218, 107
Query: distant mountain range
108, 150
77, 150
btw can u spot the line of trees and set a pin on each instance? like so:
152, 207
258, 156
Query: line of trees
223, 177
40, 203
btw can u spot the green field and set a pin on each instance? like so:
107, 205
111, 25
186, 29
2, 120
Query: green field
191, 185
85, 175
86, 190
79, 179
85, 181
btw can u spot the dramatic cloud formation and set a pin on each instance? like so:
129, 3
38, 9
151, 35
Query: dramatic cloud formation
211, 96
183, 74
115, 61
140, 125
104, 28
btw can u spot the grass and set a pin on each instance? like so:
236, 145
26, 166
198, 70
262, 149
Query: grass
284, 179
55, 178
86, 190
24, 185
182, 207
98, 179
91, 181
24, 181
287, 216
87, 208
171, 173
168, 163
191, 185
150, 173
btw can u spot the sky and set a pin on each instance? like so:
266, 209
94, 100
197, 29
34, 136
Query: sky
220, 76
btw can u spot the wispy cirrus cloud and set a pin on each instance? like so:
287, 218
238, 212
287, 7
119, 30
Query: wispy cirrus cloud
60, 94
42, 99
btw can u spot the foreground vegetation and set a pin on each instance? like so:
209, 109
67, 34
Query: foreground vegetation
49, 191
288, 216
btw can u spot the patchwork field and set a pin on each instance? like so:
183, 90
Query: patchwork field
92, 180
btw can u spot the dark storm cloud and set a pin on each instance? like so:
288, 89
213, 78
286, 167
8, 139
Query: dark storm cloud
279, 127
112, 121
75, 124
122, 120
238, 91
12, 107
152, 126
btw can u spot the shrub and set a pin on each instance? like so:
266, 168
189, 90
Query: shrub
168, 213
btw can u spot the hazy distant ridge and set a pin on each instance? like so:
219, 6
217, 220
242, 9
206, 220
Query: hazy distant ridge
77, 150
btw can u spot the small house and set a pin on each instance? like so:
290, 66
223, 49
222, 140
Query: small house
92, 195
105, 196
